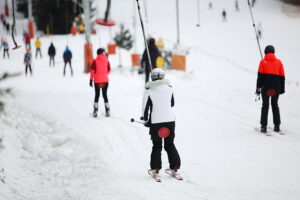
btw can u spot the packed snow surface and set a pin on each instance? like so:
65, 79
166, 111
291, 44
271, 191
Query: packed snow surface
52, 149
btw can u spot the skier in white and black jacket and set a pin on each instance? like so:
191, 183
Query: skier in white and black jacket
157, 112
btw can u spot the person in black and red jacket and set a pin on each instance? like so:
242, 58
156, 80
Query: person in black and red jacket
270, 83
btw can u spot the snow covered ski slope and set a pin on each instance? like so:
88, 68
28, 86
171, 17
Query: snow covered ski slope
53, 149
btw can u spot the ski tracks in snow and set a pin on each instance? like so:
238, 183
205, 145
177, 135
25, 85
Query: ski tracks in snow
54, 160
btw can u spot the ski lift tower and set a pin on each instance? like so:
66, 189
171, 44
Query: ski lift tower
30, 20
88, 54
178, 59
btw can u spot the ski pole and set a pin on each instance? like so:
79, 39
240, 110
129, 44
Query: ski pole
133, 120
257, 39
144, 35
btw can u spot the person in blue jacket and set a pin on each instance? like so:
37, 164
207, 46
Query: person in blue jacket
67, 58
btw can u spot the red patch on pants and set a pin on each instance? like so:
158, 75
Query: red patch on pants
163, 132
271, 92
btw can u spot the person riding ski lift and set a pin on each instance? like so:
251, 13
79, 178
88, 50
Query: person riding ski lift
158, 101
67, 59
99, 72
270, 84
154, 54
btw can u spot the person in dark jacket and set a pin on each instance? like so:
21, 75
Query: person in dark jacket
224, 15
67, 58
154, 53
51, 53
27, 61
270, 83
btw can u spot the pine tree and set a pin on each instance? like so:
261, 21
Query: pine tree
123, 40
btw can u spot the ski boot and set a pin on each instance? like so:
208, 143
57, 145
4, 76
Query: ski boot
95, 113
107, 111
263, 129
155, 174
277, 129
175, 174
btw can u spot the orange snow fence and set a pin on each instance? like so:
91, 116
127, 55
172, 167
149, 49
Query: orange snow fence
111, 48
178, 62
73, 30
31, 29
88, 57
135, 59
6, 10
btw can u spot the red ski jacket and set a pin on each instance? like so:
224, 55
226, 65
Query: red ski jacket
271, 73
100, 69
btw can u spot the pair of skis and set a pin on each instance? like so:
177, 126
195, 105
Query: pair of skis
269, 131
167, 171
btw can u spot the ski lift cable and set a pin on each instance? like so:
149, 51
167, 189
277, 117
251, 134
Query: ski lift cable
254, 26
13, 26
198, 12
108, 4
144, 35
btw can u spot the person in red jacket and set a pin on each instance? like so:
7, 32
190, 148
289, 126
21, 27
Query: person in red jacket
27, 41
99, 72
270, 83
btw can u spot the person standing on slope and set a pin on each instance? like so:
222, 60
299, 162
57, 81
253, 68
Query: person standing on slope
157, 112
270, 83
38, 45
51, 53
27, 61
67, 58
27, 41
5, 46
224, 15
99, 72
154, 53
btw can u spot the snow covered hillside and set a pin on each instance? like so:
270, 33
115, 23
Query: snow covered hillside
54, 150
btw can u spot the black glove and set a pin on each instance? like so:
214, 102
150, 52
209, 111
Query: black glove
91, 83
258, 91
282, 91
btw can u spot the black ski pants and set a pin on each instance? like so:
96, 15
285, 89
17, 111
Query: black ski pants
5, 51
104, 93
26, 69
51, 60
70, 67
173, 156
265, 109
38, 51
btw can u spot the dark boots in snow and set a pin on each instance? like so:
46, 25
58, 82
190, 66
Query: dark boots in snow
95, 113
277, 128
107, 113
263, 129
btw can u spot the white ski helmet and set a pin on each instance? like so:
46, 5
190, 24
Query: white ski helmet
157, 74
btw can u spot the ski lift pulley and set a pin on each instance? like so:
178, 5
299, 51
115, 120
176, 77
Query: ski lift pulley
105, 21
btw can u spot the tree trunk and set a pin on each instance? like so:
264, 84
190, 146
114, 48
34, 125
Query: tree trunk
120, 57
